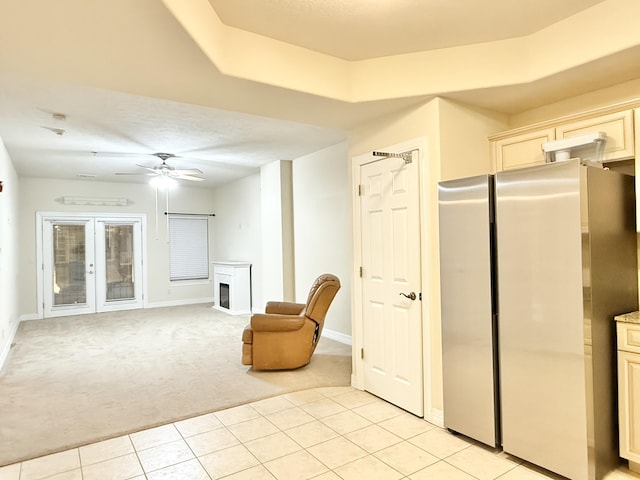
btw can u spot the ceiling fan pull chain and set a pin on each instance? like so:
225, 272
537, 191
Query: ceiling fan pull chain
156, 189
167, 193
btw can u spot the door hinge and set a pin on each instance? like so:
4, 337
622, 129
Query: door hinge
420, 296
360, 190
362, 353
360, 272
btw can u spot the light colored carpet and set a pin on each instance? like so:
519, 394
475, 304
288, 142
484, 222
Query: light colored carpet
76, 380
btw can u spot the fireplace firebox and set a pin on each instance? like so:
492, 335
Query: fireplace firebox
224, 295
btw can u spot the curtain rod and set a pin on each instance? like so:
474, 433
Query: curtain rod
198, 214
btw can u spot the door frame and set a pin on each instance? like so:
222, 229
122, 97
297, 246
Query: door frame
42, 216
357, 327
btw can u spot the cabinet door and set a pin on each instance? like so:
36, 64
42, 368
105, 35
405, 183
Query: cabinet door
522, 150
628, 337
618, 127
629, 405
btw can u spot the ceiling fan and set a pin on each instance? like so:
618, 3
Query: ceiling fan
166, 174
164, 177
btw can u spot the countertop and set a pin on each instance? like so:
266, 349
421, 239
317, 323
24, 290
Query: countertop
631, 317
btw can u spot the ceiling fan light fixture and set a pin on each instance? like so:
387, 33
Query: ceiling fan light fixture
163, 182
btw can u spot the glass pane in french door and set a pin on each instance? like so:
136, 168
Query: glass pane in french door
119, 259
69, 265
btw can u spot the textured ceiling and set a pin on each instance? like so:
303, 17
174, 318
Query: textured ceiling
126, 129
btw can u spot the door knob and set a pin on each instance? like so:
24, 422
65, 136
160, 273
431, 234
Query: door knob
410, 296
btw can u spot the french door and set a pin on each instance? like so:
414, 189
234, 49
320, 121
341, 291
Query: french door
90, 264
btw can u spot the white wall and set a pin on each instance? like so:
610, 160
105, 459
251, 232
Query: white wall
464, 146
322, 227
277, 231
9, 251
243, 209
237, 229
37, 194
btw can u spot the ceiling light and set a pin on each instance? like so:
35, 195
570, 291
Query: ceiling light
163, 182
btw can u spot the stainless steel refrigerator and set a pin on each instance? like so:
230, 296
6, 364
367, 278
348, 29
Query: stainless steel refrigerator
535, 263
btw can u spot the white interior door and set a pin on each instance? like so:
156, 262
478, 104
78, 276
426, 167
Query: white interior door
391, 285
91, 264
69, 266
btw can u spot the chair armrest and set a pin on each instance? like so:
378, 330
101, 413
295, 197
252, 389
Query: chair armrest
285, 308
276, 323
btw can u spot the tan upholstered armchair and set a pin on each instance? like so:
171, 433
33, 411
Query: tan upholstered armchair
286, 335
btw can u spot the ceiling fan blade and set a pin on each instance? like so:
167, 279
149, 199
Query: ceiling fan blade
151, 169
188, 177
189, 171
119, 154
133, 173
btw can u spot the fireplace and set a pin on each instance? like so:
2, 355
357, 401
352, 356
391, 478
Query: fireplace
232, 287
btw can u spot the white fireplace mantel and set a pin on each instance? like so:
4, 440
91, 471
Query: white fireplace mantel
232, 287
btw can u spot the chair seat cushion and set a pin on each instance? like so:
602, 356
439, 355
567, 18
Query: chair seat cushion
276, 323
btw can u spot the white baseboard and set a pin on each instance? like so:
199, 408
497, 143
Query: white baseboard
337, 336
176, 303
29, 316
4, 354
437, 417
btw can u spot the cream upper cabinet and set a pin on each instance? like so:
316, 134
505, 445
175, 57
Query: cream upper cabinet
522, 146
619, 129
629, 392
521, 150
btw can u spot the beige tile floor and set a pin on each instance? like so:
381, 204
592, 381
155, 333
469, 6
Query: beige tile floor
322, 434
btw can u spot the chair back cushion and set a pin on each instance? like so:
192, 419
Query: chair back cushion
321, 295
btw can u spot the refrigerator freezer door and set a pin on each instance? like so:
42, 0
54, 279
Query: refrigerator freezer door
542, 361
465, 208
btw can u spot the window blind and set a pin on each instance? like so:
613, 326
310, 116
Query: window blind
189, 247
